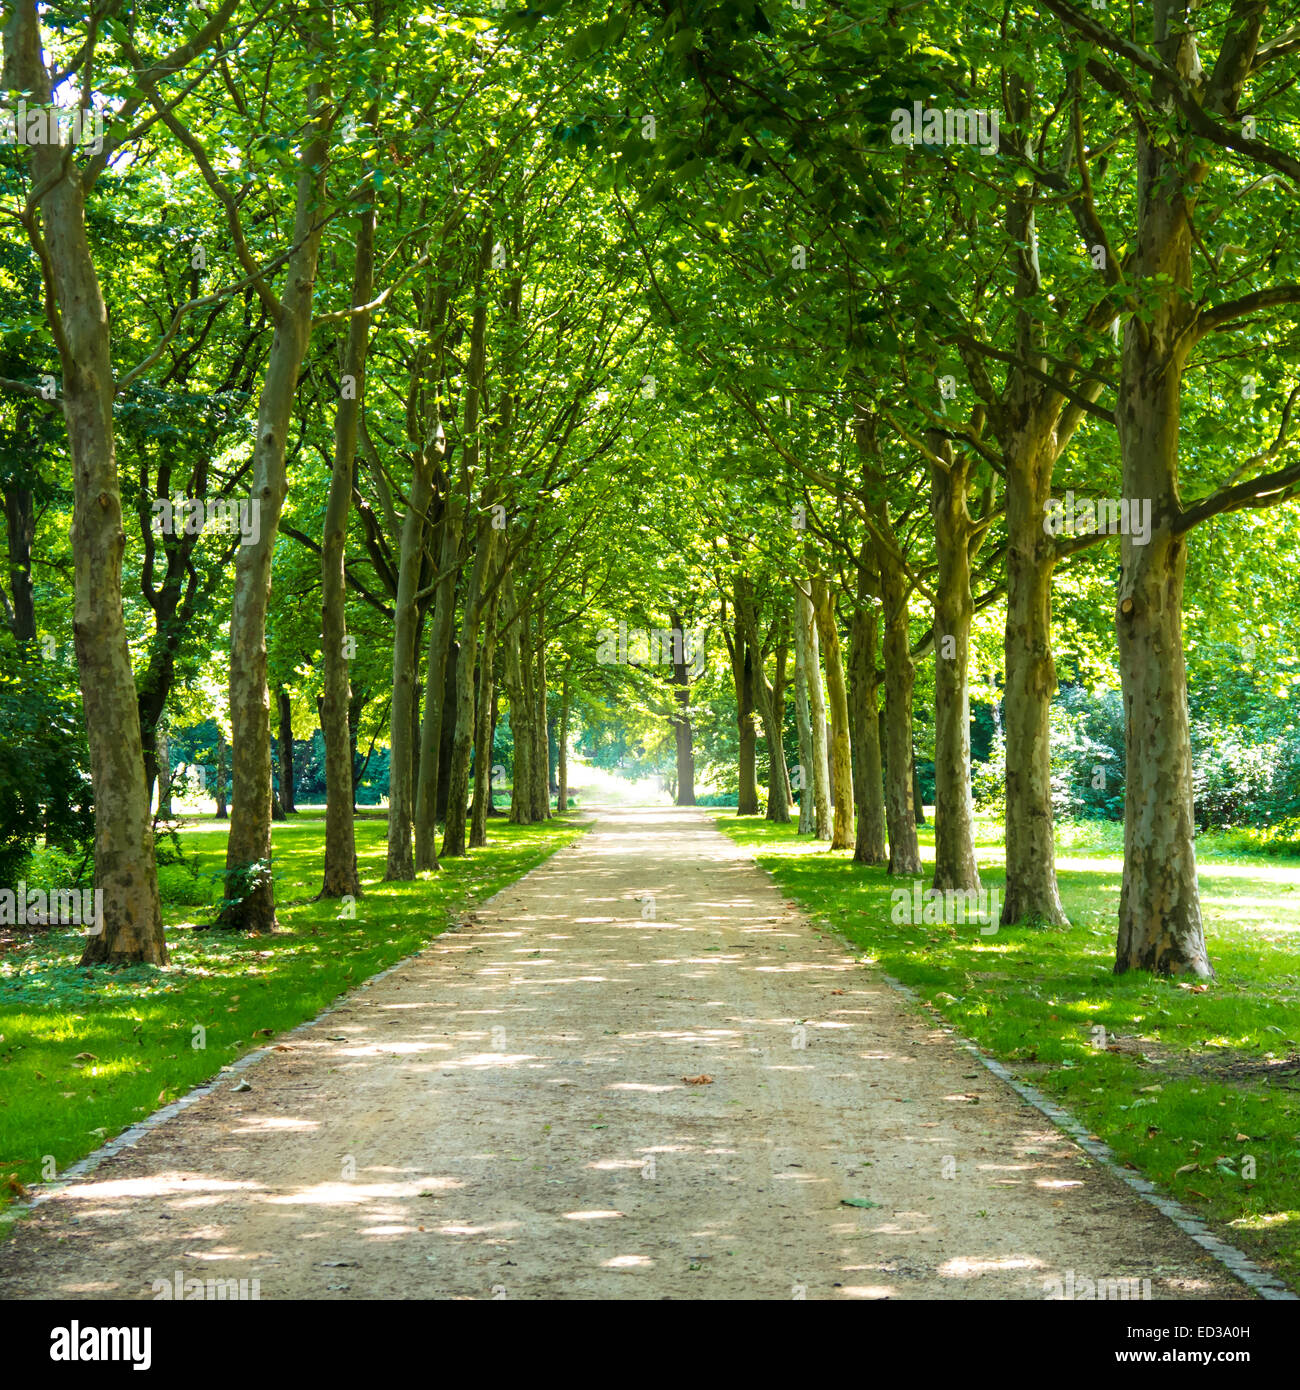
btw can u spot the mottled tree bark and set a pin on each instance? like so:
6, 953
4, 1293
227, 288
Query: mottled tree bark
1031, 893
1160, 927
130, 925
954, 608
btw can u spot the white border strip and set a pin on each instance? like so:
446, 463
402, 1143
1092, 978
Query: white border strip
132, 1135
1267, 1285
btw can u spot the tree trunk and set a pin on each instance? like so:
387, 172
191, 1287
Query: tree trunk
483, 728
837, 698
904, 851
1160, 926
250, 890
1031, 893
431, 732
286, 753
520, 719
562, 754
164, 759
462, 716
20, 526
802, 718
954, 608
453, 837
492, 743
447, 736
341, 876
130, 924
277, 780
541, 790
683, 736
401, 726
868, 780
742, 675
821, 775
773, 713
220, 791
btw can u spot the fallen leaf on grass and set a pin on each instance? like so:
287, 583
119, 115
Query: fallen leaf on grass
704, 1079
1186, 1168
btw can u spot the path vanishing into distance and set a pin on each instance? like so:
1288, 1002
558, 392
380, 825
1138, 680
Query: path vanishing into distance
521, 1111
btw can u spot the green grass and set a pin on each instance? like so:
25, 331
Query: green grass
1191, 1101
85, 1053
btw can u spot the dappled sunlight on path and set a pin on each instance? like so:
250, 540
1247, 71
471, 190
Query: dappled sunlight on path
636, 1072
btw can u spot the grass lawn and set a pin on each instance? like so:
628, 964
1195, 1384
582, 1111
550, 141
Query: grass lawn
85, 1053
1200, 1078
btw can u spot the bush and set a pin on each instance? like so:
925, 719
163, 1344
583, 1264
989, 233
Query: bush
45, 793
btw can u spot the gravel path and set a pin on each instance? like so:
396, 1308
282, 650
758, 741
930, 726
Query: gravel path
637, 1073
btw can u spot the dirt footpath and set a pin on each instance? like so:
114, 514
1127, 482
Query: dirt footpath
639, 1074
